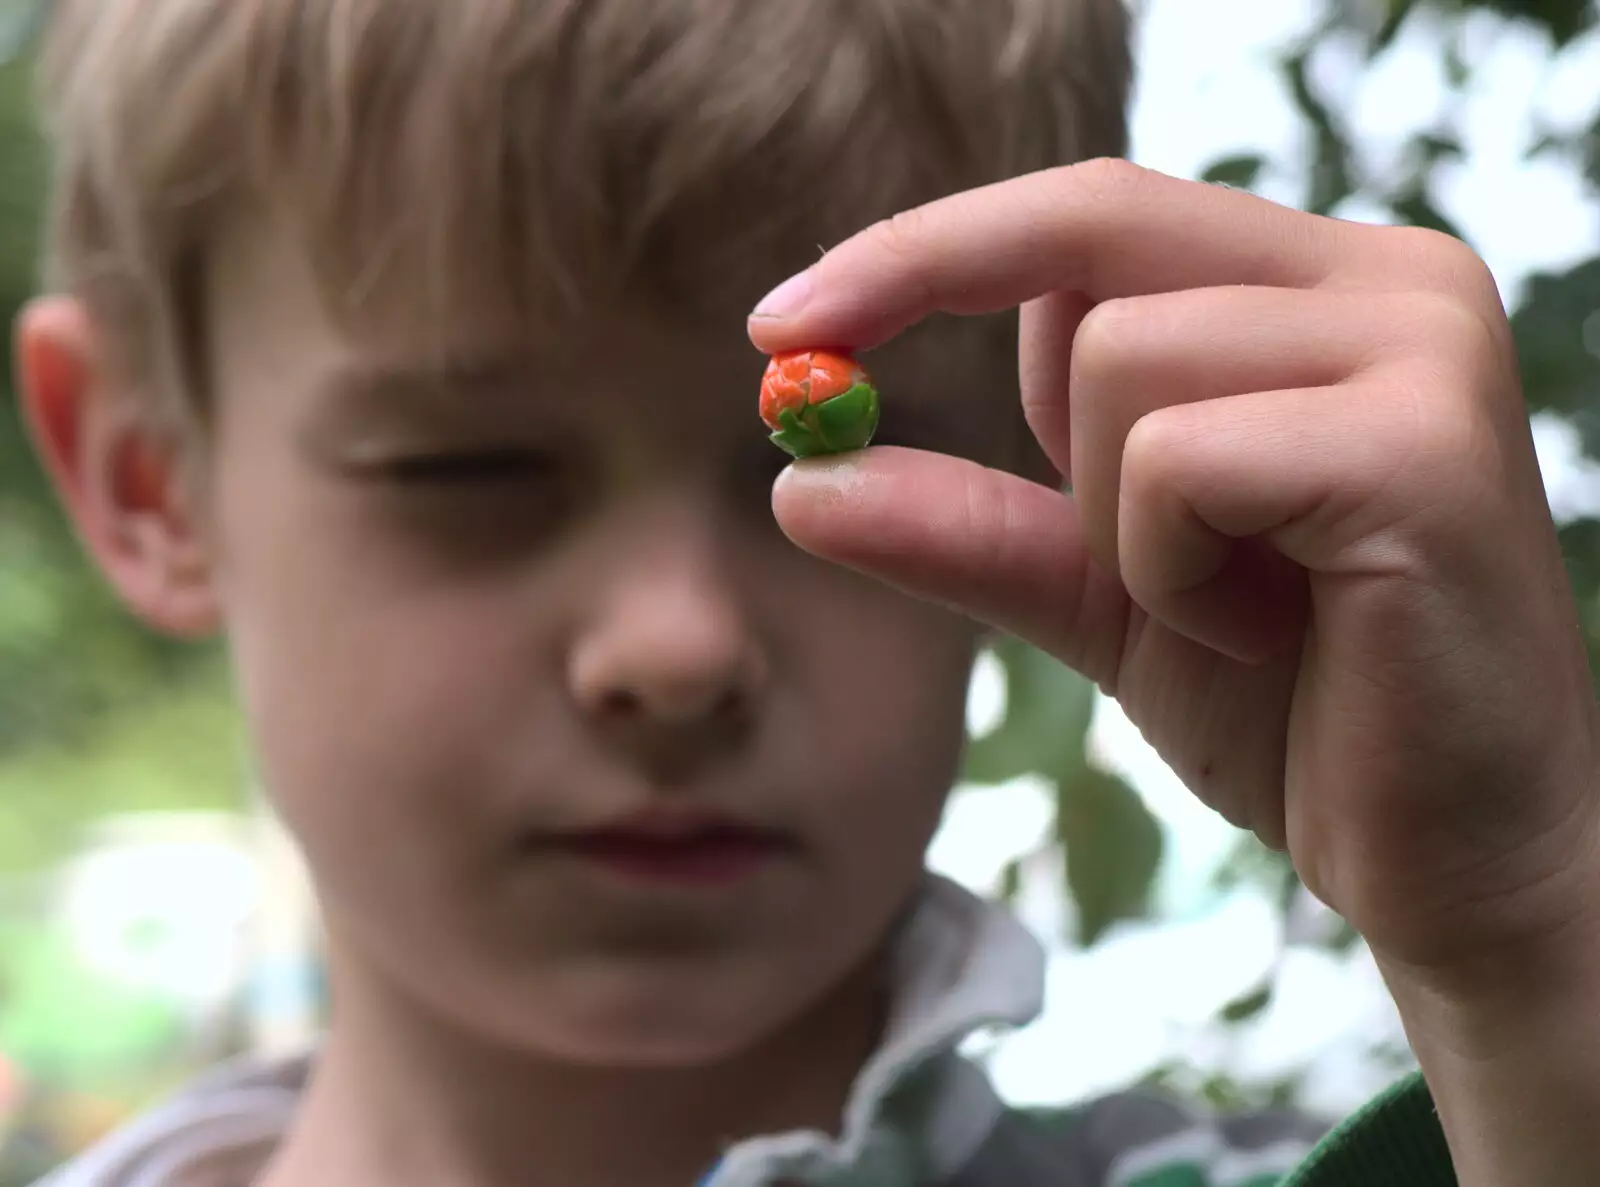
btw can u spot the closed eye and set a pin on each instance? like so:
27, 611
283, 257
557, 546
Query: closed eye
464, 468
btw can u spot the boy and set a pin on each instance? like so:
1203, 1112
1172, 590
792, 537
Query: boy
397, 342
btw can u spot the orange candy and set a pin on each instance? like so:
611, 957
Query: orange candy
797, 378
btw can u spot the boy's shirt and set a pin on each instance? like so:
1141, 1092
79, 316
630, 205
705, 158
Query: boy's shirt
920, 1115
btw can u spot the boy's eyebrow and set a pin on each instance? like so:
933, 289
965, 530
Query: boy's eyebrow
356, 396
399, 387
392, 380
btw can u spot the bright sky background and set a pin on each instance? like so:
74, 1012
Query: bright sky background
1208, 88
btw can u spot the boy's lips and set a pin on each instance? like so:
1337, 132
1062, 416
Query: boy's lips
679, 847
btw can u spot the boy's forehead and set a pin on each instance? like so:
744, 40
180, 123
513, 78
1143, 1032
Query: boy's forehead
457, 167
398, 358
938, 383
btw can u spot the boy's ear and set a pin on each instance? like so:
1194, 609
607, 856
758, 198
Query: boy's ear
122, 490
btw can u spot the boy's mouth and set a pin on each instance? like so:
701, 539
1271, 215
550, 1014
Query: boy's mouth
673, 848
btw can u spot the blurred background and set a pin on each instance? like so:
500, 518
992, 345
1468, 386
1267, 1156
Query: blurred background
152, 920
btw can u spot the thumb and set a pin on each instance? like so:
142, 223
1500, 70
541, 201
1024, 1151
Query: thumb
998, 548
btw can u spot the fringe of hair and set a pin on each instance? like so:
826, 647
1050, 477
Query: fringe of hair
535, 159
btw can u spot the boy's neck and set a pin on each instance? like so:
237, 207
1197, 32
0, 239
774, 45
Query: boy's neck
395, 1101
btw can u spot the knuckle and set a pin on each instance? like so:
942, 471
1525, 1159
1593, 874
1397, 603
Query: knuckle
1153, 448
1447, 265
901, 232
1426, 247
1108, 335
1445, 440
904, 238
1443, 326
1107, 173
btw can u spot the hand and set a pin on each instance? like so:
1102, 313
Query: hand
1307, 546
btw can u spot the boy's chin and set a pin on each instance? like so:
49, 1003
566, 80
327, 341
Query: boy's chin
682, 1022
660, 1039
677, 1052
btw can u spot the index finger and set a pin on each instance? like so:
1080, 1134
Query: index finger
1102, 228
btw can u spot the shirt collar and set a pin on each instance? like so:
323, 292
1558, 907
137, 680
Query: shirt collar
916, 1114
918, 1110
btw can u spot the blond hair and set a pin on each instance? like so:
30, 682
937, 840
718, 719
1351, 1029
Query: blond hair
536, 157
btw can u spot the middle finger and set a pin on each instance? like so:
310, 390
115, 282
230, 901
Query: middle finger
1135, 356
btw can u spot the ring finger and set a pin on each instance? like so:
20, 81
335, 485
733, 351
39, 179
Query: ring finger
1135, 356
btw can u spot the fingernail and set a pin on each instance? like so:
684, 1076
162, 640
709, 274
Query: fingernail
787, 299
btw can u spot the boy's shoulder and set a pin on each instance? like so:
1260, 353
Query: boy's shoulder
223, 1129
921, 1114
1142, 1138
1146, 1139
219, 1129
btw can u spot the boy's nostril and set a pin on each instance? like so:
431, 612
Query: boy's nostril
628, 704
621, 702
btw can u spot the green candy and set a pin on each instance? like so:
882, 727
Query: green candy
839, 425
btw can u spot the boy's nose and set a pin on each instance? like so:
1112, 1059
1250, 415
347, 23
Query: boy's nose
668, 668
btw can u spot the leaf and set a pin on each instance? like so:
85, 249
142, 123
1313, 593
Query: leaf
1239, 171
1331, 181
1580, 547
1251, 863
1440, 146
1113, 849
1396, 12
1344, 938
1415, 207
1564, 20
1242, 1009
1558, 370
1457, 74
1218, 1090
1587, 422
1010, 882
1589, 153
1048, 711
1545, 144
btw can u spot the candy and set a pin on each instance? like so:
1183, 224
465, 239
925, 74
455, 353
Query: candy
817, 402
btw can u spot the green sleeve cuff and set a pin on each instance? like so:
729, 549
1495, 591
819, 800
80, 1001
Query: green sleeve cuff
1394, 1141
